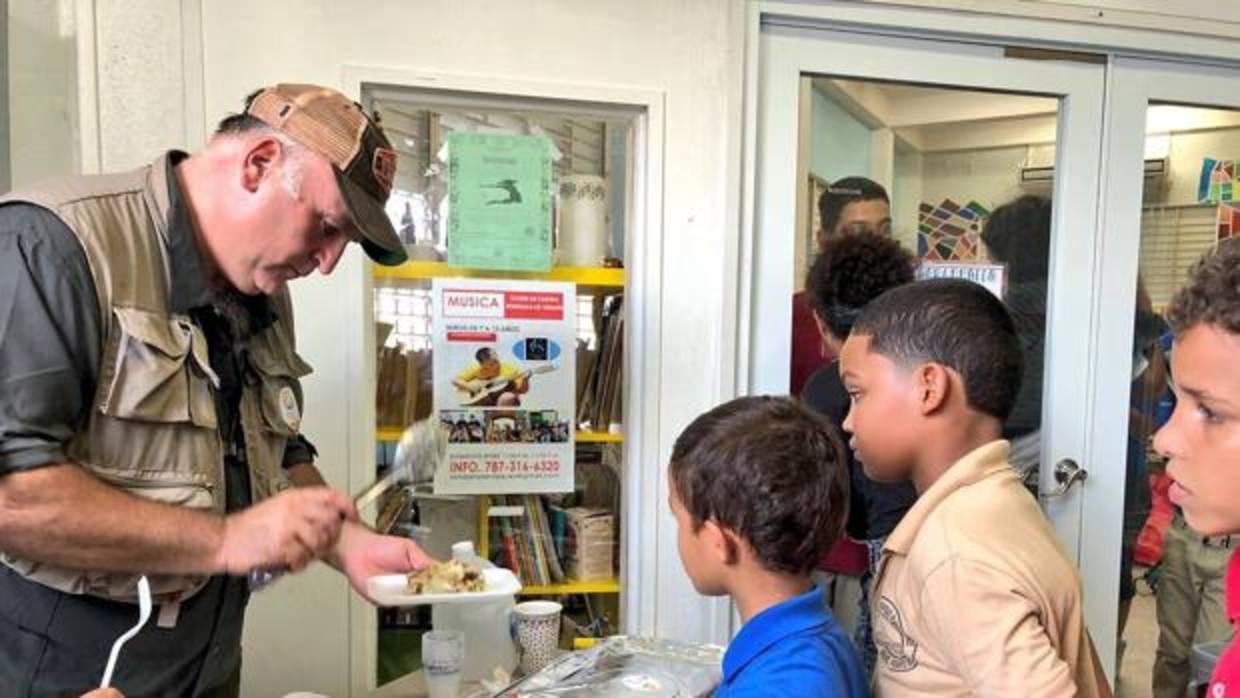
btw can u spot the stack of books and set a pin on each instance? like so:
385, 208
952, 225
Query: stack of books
600, 405
403, 388
530, 544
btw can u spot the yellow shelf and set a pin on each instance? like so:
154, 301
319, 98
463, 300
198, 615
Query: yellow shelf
604, 277
389, 433
594, 437
601, 586
598, 437
585, 643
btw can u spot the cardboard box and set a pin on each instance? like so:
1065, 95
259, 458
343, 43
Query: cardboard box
588, 543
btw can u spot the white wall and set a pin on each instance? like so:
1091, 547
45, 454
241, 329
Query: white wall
42, 79
989, 176
839, 143
906, 195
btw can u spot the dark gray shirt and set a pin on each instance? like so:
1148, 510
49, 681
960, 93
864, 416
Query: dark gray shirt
50, 352
49, 337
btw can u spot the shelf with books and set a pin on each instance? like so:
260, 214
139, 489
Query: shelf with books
541, 550
598, 437
596, 277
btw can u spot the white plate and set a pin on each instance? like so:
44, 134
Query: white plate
393, 589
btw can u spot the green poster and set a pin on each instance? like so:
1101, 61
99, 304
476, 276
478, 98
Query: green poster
499, 202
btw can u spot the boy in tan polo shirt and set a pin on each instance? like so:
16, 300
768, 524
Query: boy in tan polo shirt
973, 596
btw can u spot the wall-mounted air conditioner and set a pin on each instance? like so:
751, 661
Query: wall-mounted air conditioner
1155, 169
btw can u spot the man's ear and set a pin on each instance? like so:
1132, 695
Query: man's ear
722, 543
259, 161
932, 383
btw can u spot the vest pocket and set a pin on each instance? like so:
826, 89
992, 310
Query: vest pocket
158, 371
174, 488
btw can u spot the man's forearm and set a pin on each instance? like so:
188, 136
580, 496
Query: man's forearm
63, 515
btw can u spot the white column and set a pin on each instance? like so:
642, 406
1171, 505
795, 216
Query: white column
140, 87
882, 156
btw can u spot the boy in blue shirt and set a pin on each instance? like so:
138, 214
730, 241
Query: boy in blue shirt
759, 488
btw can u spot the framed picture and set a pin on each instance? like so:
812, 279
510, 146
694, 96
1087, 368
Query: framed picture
817, 187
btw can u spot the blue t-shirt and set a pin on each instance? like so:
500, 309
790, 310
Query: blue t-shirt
794, 648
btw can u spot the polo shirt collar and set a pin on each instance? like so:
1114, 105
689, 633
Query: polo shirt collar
782, 620
979, 464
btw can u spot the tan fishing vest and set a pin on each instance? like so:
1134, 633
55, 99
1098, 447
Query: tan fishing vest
152, 428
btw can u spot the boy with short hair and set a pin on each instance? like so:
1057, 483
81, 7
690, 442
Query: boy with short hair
852, 271
849, 206
759, 488
1202, 440
973, 595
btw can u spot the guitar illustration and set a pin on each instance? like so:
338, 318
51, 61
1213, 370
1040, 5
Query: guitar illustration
485, 393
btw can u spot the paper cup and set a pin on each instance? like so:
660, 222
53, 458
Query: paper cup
538, 633
443, 659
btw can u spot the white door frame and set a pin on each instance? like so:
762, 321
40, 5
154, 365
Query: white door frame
650, 568
786, 50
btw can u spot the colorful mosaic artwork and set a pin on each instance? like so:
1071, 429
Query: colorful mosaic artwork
1218, 181
1228, 220
1219, 185
951, 232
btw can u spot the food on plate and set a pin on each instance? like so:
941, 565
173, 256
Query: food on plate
448, 577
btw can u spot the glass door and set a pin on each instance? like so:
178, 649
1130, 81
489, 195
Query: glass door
1169, 196
988, 161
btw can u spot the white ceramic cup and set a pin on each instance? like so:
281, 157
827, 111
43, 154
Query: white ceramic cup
538, 633
443, 659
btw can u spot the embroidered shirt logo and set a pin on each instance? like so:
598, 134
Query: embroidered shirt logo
896, 649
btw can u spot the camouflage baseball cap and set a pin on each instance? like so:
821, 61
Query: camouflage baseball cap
362, 158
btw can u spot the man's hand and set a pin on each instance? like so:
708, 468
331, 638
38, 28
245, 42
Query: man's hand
104, 693
361, 554
289, 530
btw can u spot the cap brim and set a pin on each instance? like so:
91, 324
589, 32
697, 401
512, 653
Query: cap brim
379, 237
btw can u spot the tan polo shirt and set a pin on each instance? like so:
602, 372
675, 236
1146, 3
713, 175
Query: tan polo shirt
974, 596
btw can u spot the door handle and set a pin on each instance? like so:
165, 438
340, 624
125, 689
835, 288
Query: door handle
1067, 473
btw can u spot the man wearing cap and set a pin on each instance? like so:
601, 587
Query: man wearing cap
150, 396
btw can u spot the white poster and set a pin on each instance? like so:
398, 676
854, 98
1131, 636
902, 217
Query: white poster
992, 276
505, 384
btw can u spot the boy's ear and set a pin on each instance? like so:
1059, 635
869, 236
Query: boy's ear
822, 326
932, 383
829, 343
722, 543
